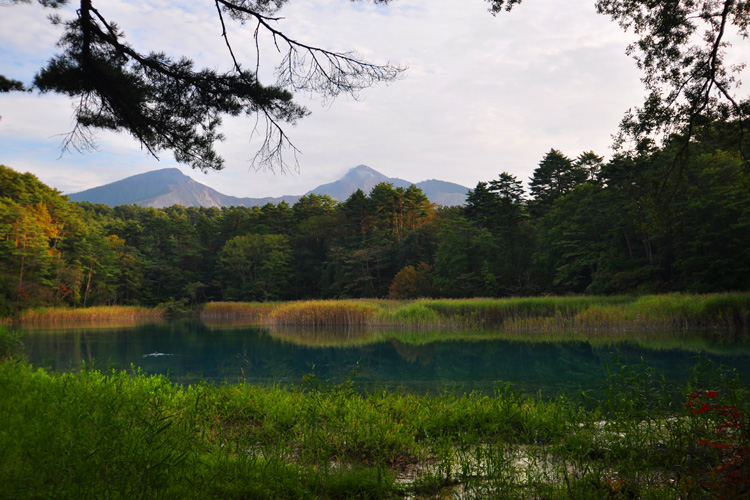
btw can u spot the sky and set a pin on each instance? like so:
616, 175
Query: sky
482, 95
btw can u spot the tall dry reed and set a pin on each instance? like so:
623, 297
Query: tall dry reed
324, 312
236, 309
98, 313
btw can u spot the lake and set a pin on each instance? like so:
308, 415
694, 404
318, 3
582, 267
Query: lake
417, 361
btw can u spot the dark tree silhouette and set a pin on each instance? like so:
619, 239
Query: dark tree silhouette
168, 104
683, 48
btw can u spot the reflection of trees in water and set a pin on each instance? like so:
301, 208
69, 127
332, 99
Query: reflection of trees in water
719, 341
336, 336
392, 357
422, 354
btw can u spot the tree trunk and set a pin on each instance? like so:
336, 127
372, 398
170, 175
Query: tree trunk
88, 286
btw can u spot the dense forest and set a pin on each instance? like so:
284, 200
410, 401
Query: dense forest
637, 223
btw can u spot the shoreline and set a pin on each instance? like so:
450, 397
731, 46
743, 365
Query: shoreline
589, 313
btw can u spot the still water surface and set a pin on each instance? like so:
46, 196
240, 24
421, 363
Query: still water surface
189, 351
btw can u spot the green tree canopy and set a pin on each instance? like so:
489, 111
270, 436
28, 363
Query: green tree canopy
413, 282
555, 176
255, 266
496, 205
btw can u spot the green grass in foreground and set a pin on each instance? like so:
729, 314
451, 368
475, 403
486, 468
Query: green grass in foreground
116, 435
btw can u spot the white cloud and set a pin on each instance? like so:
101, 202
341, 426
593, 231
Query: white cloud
482, 94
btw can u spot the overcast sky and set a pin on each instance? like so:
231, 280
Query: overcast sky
482, 94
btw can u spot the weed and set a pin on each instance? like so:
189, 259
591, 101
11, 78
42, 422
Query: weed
11, 344
90, 434
524, 314
99, 313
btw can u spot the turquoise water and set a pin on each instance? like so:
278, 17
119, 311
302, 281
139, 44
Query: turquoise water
189, 351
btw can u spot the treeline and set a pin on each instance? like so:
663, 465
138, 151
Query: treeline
674, 219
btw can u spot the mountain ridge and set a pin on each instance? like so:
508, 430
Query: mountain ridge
169, 186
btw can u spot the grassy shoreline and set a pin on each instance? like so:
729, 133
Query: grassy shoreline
516, 314
671, 311
118, 435
55, 315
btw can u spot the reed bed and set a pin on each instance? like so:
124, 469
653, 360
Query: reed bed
55, 315
522, 314
670, 311
323, 312
511, 309
412, 314
213, 310
726, 310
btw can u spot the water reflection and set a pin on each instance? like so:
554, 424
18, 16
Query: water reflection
477, 360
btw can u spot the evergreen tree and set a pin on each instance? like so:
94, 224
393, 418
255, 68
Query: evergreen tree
417, 208
555, 176
255, 267
591, 163
165, 103
482, 205
460, 261
358, 215
509, 192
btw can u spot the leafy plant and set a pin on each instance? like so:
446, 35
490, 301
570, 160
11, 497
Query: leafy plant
11, 344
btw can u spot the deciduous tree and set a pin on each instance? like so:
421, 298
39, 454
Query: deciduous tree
413, 282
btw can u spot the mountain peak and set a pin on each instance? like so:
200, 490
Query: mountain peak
171, 170
169, 186
171, 173
362, 172
139, 188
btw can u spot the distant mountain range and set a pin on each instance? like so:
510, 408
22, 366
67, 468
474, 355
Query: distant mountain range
169, 186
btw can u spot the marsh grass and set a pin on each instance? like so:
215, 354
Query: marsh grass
324, 312
519, 309
236, 309
51, 315
117, 435
673, 310
681, 311
524, 314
